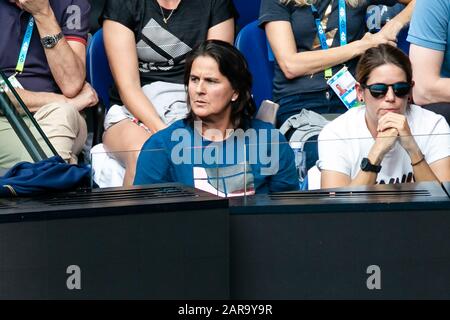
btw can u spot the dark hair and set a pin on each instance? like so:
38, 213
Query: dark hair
380, 55
233, 66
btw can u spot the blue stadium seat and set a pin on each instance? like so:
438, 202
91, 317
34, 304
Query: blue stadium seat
401, 40
98, 73
378, 15
99, 76
248, 11
252, 42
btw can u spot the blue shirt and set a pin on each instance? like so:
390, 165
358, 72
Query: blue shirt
72, 16
260, 161
430, 28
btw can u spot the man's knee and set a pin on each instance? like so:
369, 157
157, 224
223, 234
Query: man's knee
65, 128
59, 115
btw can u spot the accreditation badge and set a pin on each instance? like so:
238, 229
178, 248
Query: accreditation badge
14, 82
343, 84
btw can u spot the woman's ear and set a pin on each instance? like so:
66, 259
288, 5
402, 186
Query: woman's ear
359, 92
234, 97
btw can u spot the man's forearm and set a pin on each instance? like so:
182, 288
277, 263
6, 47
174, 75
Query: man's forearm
35, 100
67, 68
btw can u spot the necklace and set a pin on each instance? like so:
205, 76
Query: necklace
162, 13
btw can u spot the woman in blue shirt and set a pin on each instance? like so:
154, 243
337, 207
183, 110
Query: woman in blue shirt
219, 147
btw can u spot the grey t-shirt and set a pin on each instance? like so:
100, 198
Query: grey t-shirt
306, 38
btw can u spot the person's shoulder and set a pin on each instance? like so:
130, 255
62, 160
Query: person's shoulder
163, 137
423, 115
63, 5
432, 5
430, 13
167, 132
68, 11
418, 111
274, 10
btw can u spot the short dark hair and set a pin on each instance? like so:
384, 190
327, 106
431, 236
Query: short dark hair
233, 66
380, 55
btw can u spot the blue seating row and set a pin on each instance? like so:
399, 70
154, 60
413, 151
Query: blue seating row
251, 41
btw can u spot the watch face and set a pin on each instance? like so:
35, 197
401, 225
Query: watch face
367, 166
48, 41
364, 163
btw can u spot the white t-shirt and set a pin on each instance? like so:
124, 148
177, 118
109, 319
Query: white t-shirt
346, 140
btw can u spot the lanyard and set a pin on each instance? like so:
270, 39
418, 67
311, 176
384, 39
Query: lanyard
321, 32
25, 46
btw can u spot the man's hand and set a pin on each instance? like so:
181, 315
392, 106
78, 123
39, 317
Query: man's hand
86, 98
35, 7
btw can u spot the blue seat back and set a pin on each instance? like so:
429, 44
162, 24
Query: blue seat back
252, 42
248, 11
401, 40
378, 15
98, 71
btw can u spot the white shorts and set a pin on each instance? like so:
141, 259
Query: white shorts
169, 100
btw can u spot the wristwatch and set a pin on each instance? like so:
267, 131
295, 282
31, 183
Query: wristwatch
368, 167
50, 41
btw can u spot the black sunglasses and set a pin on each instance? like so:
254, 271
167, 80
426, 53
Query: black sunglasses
379, 90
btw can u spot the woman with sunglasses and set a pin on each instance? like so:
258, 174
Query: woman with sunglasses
388, 140
312, 40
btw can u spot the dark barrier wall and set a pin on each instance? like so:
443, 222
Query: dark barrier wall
342, 246
116, 245
172, 242
333, 256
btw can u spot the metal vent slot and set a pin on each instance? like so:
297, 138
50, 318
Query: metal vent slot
384, 195
111, 196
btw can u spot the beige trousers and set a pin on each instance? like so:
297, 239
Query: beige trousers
62, 124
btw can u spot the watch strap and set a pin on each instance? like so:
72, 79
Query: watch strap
367, 166
55, 38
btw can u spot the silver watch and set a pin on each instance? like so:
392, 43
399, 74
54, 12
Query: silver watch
50, 41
